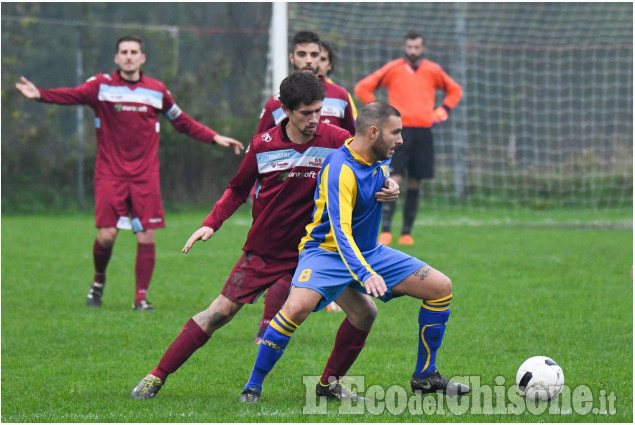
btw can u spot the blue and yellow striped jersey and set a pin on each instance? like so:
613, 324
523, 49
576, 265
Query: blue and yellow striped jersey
346, 216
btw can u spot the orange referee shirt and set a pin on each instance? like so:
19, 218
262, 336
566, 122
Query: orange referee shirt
411, 91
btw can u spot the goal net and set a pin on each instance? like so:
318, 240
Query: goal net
547, 114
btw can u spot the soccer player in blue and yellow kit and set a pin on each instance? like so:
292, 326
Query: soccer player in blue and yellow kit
340, 259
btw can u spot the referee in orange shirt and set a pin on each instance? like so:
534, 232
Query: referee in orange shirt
412, 82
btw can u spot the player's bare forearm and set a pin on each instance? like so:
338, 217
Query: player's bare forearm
389, 193
202, 234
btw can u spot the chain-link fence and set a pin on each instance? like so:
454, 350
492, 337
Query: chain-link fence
546, 117
547, 113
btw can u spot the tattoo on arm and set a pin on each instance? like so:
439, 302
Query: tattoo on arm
423, 272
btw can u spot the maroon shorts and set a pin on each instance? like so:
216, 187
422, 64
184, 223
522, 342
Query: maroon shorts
128, 204
252, 275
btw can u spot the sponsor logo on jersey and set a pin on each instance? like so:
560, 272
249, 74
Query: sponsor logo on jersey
334, 107
331, 112
144, 96
279, 165
278, 155
316, 162
155, 220
288, 159
130, 108
298, 175
306, 174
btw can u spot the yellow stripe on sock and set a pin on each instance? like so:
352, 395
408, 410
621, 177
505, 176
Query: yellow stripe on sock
441, 300
427, 307
279, 328
284, 316
426, 346
437, 305
280, 322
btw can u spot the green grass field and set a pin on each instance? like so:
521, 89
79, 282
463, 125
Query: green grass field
553, 283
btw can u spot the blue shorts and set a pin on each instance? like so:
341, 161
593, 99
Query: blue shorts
325, 272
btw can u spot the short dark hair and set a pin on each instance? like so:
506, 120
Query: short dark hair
304, 37
129, 37
412, 35
374, 114
301, 88
330, 53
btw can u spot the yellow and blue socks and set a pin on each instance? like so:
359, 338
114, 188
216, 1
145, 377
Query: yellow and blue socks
433, 317
274, 341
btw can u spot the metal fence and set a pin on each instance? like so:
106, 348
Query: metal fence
546, 118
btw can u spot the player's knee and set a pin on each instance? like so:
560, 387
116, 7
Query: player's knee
369, 316
219, 313
442, 287
297, 310
106, 237
229, 308
364, 318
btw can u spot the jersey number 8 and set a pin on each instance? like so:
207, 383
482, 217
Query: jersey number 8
305, 275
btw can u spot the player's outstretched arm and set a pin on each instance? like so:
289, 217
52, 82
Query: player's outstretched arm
28, 89
227, 142
375, 285
203, 234
389, 193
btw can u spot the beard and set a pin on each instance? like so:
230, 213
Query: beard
381, 149
414, 59
307, 69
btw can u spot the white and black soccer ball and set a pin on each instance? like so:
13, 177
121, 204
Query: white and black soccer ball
539, 378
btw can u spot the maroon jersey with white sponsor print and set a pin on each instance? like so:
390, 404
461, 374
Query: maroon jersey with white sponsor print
285, 174
127, 122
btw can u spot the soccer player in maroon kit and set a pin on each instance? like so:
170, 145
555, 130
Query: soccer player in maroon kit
127, 104
337, 109
283, 163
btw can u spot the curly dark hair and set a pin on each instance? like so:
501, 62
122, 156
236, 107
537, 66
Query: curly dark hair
301, 87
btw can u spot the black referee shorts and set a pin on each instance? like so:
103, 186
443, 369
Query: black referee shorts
416, 156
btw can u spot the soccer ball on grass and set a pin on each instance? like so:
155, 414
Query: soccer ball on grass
539, 378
